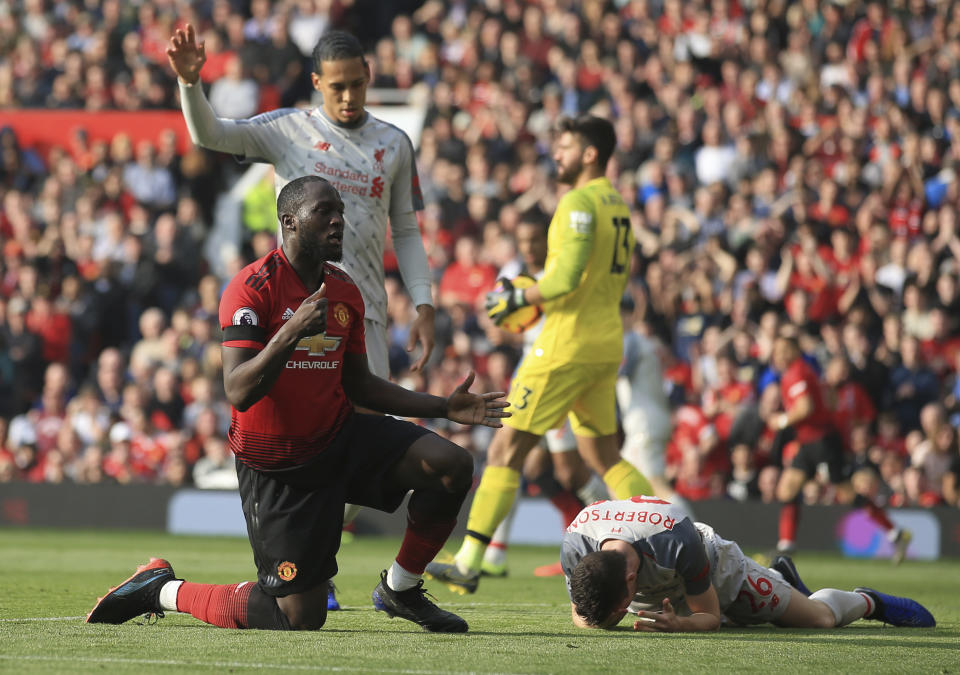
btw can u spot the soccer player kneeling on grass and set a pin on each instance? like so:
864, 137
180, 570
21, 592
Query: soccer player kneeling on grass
294, 366
643, 556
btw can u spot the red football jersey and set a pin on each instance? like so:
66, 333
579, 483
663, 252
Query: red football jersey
307, 405
799, 380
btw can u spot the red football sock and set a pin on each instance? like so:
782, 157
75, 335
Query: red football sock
789, 519
879, 516
220, 605
422, 541
568, 504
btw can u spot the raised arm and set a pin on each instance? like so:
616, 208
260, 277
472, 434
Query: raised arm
187, 55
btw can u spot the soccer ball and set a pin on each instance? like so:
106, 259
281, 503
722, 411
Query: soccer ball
525, 317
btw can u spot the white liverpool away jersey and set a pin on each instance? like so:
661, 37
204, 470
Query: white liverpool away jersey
372, 166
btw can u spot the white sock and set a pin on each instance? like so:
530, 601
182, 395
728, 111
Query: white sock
496, 552
846, 606
400, 579
593, 490
168, 595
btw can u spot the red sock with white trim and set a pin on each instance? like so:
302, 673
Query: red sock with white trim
220, 605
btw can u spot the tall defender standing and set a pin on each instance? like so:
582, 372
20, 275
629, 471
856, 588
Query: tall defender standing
571, 370
371, 164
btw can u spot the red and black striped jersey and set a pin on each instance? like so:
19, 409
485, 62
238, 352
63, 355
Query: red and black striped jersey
307, 405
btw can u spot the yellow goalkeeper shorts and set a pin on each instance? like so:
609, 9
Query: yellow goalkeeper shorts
540, 398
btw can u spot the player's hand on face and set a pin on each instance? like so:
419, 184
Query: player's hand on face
486, 409
186, 54
500, 302
311, 316
421, 331
664, 621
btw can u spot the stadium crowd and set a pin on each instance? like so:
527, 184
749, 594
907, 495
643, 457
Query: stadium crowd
792, 168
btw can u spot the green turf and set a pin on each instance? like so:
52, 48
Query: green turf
50, 579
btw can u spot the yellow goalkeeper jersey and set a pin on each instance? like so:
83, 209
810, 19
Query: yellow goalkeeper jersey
589, 247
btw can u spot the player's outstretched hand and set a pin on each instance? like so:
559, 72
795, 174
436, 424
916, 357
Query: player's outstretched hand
186, 54
311, 316
486, 409
664, 621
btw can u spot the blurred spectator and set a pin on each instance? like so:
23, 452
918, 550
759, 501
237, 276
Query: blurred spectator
215, 469
234, 95
149, 184
466, 279
791, 169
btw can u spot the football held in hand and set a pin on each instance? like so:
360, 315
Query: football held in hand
523, 317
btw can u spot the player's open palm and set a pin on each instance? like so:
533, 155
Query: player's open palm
186, 54
486, 409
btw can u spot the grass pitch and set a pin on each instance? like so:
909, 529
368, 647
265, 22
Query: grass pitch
50, 579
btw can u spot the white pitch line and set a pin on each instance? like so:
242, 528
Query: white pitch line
237, 664
44, 618
500, 605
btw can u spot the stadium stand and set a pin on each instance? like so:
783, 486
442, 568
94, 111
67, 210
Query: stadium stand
792, 167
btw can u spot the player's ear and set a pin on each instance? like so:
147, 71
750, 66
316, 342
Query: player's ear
315, 79
590, 155
288, 223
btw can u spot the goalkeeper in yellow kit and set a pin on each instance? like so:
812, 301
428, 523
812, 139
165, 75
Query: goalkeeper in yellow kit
571, 369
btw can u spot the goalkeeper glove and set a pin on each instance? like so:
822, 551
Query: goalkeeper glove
503, 300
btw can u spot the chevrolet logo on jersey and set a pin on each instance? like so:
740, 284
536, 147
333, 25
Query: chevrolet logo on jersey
318, 345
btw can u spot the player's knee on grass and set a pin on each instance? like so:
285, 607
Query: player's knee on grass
305, 611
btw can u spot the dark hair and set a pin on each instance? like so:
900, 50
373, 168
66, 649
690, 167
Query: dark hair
535, 216
293, 193
336, 45
598, 585
595, 131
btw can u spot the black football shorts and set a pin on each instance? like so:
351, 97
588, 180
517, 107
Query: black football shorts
295, 516
828, 450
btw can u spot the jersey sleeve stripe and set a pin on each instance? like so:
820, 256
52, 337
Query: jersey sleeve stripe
256, 334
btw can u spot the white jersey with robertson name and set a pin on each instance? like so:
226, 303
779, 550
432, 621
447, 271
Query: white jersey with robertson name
372, 166
674, 559
678, 557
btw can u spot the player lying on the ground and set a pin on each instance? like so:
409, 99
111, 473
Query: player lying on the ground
292, 378
643, 556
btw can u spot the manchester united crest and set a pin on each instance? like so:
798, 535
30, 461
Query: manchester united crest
286, 571
342, 314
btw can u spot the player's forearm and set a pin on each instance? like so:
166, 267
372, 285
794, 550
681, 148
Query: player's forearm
250, 381
799, 411
697, 623
206, 129
412, 258
392, 399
